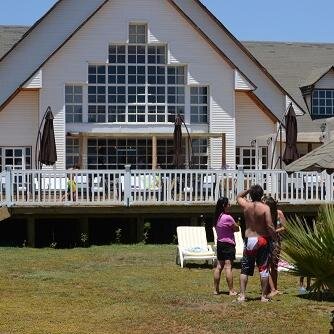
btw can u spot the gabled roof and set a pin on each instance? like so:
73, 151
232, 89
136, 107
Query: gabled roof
293, 65
8, 89
317, 160
316, 74
16, 68
10, 35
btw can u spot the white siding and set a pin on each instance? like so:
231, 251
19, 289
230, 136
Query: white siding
266, 91
186, 46
326, 81
19, 121
29, 55
251, 121
241, 83
297, 110
35, 81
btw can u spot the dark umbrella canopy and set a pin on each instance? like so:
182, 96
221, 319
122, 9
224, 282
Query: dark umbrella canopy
177, 139
291, 131
47, 150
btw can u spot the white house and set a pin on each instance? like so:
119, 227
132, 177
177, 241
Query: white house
115, 74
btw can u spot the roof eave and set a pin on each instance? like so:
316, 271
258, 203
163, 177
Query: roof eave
248, 53
10, 98
30, 30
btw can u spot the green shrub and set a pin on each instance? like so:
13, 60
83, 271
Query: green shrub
118, 236
311, 250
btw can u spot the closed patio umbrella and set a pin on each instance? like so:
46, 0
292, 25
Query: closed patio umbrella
177, 139
291, 131
47, 146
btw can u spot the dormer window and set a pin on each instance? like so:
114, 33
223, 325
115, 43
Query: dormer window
322, 103
137, 33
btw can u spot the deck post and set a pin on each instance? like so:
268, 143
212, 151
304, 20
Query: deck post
127, 185
240, 179
31, 232
9, 185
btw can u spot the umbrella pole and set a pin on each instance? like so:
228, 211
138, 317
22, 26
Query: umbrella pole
280, 148
190, 147
279, 131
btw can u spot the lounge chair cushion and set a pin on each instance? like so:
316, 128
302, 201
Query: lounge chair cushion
197, 251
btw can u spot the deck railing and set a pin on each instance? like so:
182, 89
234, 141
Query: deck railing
156, 187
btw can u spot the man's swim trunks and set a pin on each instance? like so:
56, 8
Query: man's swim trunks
256, 249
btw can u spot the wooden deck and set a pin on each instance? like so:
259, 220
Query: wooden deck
42, 202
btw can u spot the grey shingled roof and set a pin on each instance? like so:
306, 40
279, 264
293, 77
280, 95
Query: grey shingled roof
294, 65
9, 35
316, 74
317, 160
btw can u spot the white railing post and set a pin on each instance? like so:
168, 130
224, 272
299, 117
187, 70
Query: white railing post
241, 179
274, 184
127, 185
9, 185
329, 188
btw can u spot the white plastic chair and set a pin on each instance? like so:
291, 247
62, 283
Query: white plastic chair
239, 244
193, 245
98, 185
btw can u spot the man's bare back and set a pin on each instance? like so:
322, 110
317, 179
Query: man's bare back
257, 217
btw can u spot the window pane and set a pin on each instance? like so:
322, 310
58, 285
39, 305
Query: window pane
137, 33
322, 103
199, 105
73, 102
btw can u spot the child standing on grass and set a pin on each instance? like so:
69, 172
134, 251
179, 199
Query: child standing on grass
302, 288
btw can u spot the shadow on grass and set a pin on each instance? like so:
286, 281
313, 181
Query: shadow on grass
198, 266
193, 265
318, 296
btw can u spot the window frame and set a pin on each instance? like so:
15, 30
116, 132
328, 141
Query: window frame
145, 34
199, 115
198, 155
26, 157
252, 156
70, 117
115, 153
322, 105
75, 156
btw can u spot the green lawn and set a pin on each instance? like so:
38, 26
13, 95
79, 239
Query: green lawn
138, 289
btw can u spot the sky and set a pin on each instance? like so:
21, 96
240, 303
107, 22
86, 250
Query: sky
257, 20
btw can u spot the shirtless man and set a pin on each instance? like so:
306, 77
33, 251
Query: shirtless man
259, 231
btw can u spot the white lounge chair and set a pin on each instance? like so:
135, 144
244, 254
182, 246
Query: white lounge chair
193, 245
239, 244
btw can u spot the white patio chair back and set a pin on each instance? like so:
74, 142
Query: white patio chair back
193, 245
190, 236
